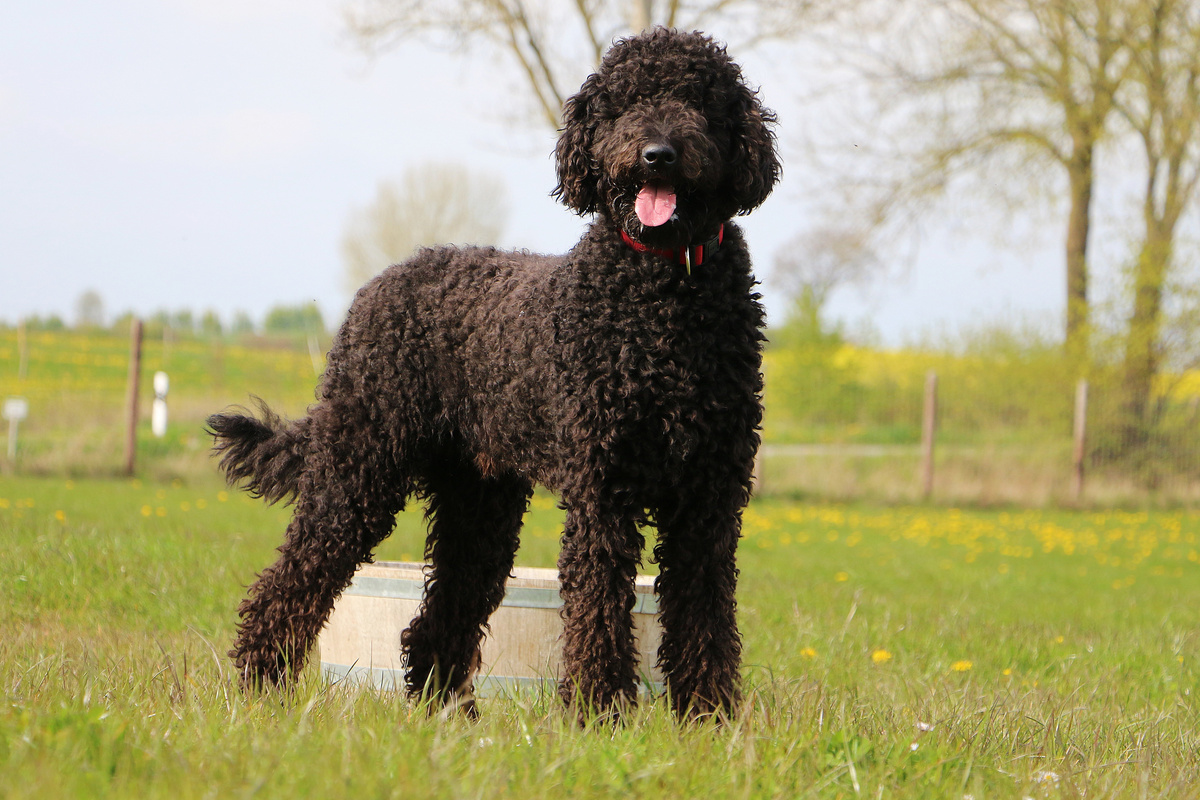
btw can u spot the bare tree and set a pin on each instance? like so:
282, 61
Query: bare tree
1163, 109
815, 262
1013, 86
89, 310
999, 89
432, 204
554, 44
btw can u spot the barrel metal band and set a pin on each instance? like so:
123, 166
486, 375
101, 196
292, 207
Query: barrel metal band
514, 596
485, 685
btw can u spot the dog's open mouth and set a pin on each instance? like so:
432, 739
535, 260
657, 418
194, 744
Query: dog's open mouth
655, 204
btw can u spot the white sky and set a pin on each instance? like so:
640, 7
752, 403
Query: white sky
206, 153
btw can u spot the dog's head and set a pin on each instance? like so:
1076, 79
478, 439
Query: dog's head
666, 140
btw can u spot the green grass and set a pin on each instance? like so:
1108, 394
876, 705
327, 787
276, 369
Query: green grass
901, 652
76, 384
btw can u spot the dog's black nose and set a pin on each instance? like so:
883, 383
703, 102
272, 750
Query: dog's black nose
659, 155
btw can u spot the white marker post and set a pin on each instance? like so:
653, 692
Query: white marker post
15, 410
158, 411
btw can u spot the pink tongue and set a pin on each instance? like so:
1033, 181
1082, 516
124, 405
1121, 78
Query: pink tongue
654, 205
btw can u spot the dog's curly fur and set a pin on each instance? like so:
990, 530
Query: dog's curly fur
621, 380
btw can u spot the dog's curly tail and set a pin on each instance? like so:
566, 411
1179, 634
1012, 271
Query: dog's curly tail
262, 454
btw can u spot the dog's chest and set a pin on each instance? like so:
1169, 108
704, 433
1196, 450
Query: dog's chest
680, 372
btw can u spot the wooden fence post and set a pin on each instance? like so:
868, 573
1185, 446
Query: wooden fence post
22, 351
928, 426
1081, 403
131, 399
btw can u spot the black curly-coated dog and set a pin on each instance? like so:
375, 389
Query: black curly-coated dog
624, 376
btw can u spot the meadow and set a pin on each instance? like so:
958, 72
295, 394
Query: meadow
904, 652
76, 382
891, 650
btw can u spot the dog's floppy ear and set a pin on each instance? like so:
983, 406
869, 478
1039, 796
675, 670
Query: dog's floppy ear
577, 173
754, 164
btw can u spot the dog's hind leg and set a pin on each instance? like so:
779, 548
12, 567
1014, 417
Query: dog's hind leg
474, 528
349, 494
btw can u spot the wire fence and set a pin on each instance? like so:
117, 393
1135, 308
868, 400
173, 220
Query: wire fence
904, 427
841, 422
74, 385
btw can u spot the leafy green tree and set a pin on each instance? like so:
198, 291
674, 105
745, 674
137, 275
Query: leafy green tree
183, 322
51, 322
210, 324
301, 319
242, 323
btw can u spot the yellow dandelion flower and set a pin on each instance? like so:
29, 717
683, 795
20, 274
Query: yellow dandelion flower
177, 484
147, 511
961, 666
135, 483
808, 652
1007, 672
842, 577
1058, 640
60, 515
4, 502
201, 503
222, 496
70, 484
880, 656
185, 506
160, 511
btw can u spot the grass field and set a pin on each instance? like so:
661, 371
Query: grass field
902, 652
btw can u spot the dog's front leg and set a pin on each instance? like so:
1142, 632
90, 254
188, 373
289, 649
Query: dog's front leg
701, 648
597, 568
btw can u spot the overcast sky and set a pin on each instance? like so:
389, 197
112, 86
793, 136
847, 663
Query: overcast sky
206, 153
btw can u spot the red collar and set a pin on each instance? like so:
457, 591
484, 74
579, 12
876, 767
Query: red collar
685, 256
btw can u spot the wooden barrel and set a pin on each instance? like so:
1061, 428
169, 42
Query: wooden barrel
523, 650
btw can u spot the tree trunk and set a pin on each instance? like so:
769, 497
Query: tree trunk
641, 17
1145, 326
1080, 174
